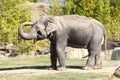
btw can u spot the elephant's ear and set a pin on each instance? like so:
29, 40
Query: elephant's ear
51, 27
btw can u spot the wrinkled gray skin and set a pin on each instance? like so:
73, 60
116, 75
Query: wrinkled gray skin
69, 30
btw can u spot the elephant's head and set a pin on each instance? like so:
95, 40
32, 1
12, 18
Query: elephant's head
39, 30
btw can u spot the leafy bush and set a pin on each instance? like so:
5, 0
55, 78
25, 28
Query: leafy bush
10, 18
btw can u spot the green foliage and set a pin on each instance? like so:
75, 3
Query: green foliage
114, 27
56, 9
11, 16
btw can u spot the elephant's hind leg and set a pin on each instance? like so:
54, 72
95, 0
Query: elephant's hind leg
98, 62
90, 61
94, 60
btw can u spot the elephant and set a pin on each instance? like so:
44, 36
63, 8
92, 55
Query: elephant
68, 30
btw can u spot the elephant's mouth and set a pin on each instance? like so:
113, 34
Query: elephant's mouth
41, 35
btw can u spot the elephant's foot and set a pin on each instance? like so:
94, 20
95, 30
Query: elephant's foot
52, 68
87, 68
97, 67
61, 69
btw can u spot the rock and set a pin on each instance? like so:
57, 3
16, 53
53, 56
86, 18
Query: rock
9, 50
116, 54
40, 51
115, 75
2, 53
111, 45
12, 54
117, 72
43, 51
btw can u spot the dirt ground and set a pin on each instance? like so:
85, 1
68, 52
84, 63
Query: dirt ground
107, 70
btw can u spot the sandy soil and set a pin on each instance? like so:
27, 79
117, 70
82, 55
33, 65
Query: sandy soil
107, 70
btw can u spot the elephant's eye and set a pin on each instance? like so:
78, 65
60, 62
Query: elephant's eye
36, 27
38, 32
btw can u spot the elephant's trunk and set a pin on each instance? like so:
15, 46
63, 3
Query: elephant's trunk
27, 36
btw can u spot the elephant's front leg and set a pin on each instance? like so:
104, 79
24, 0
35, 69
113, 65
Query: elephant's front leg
53, 57
61, 58
61, 55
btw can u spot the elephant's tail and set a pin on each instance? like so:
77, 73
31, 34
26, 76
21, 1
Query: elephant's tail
85, 56
105, 42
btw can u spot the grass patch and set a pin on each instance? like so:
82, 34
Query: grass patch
56, 76
73, 76
37, 62
111, 63
21, 61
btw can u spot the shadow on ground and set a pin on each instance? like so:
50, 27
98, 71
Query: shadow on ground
24, 67
36, 67
75, 67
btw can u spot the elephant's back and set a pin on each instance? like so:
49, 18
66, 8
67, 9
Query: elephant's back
75, 17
